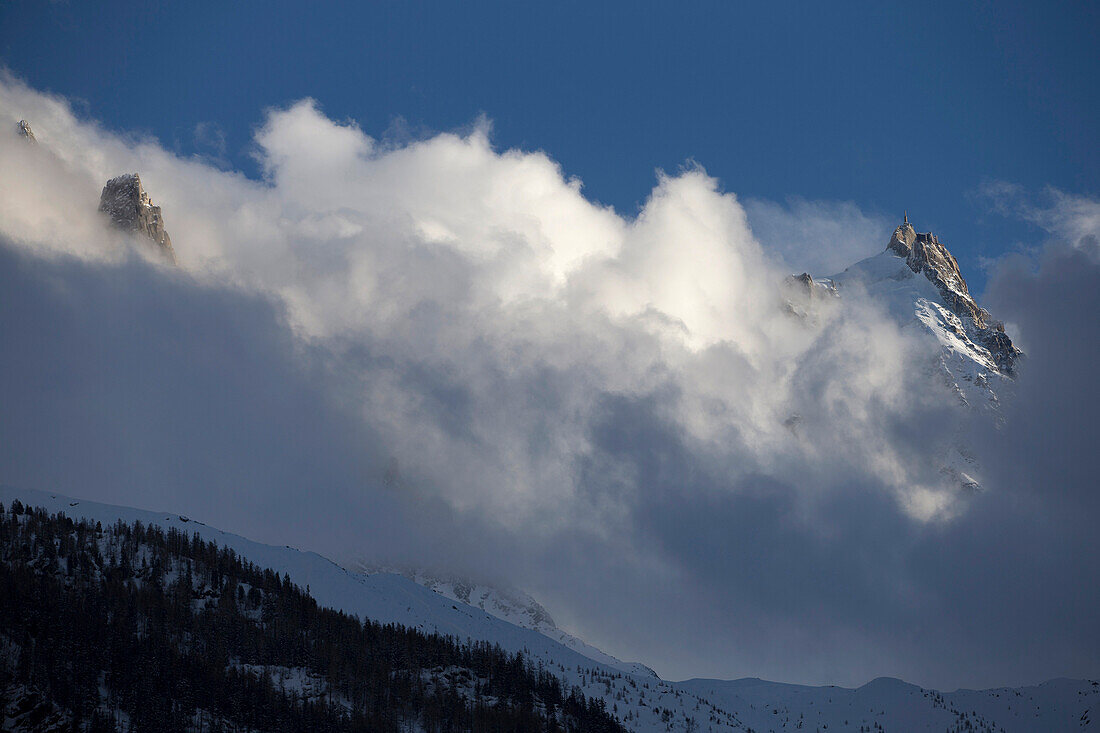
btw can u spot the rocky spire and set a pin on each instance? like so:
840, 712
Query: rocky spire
925, 255
130, 208
25, 130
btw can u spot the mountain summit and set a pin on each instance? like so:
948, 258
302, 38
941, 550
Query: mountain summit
130, 208
925, 255
917, 279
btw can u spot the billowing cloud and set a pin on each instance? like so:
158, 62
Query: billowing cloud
438, 352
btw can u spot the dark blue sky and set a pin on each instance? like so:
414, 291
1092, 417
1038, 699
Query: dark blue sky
890, 105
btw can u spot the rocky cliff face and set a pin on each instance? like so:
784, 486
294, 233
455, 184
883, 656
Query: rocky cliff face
925, 255
25, 130
130, 208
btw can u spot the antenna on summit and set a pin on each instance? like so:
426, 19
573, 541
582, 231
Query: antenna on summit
906, 216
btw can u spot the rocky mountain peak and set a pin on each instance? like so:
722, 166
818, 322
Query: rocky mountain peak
130, 208
25, 131
926, 255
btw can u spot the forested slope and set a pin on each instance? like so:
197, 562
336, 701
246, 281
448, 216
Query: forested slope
102, 628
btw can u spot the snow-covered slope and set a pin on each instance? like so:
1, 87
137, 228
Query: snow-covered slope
385, 597
393, 598
642, 702
510, 604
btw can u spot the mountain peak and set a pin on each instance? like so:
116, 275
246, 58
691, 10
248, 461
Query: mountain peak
130, 208
926, 255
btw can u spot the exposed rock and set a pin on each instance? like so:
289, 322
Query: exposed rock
25, 130
800, 291
926, 256
131, 209
803, 283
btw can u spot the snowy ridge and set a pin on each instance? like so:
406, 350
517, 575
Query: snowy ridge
641, 702
917, 275
511, 605
386, 598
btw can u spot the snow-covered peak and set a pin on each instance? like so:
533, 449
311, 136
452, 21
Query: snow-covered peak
916, 282
917, 279
925, 255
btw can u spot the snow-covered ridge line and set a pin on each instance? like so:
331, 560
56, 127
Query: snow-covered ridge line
509, 604
970, 329
386, 598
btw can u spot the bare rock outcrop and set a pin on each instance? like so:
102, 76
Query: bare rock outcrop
124, 200
803, 283
800, 292
26, 132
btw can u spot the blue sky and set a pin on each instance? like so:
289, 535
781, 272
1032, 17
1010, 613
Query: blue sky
888, 105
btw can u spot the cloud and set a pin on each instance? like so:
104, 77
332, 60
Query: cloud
143, 387
819, 237
210, 140
434, 351
1069, 218
1075, 219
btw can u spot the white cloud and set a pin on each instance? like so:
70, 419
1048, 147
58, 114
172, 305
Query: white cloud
819, 237
562, 390
482, 268
1070, 218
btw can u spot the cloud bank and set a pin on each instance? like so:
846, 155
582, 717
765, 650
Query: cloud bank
442, 353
